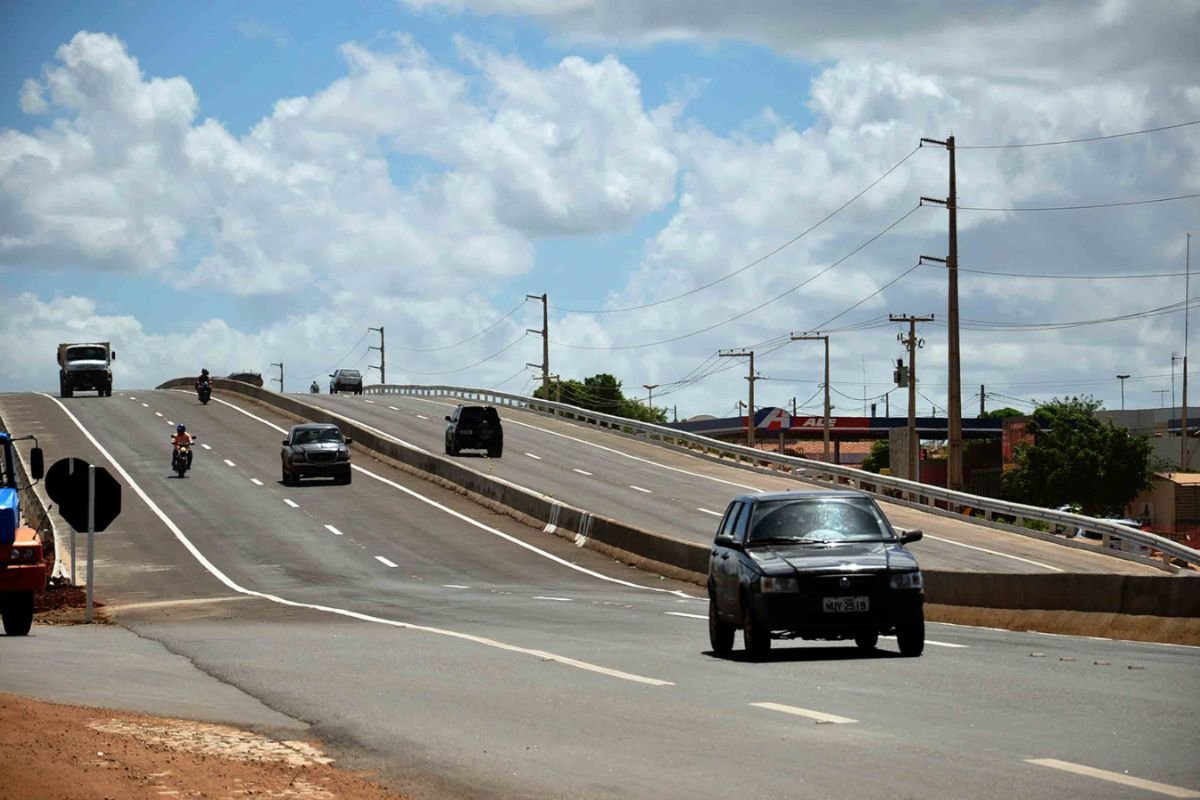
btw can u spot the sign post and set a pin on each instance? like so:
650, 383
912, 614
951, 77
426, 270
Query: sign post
91, 537
89, 499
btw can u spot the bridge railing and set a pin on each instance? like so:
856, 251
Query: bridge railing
1111, 534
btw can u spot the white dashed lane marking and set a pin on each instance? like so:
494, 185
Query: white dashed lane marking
230, 463
333, 530
681, 614
583, 472
935, 644
170, 422
206, 447
256, 481
708, 511
557, 599
158, 413
145, 405
393, 408
422, 416
454, 586
640, 489
1114, 777
385, 562
535, 458
290, 503
819, 716
372, 402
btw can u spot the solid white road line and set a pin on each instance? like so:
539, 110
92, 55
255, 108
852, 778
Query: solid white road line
994, 553
385, 562
535, 458
583, 472
937, 644
333, 530
640, 489
819, 716
558, 599
206, 447
230, 463
290, 503
709, 511
256, 481
689, 616
1114, 777
343, 612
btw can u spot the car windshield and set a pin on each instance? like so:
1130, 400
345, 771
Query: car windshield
349, 373
474, 416
818, 520
86, 354
318, 435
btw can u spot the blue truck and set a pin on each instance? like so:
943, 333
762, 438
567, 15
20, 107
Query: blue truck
23, 570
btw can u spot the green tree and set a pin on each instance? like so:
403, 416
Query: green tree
879, 457
602, 393
1001, 413
1075, 458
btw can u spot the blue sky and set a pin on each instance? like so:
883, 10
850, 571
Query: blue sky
234, 185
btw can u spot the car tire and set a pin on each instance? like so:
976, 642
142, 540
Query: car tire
720, 634
867, 641
454, 448
345, 478
285, 477
755, 637
911, 639
495, 452
16, 610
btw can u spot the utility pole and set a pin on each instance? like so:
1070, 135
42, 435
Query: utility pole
1162, 397
954, 471
1174, 357
751, 378
650, 387
913, 343
1184, 457
982, 400
825, 338
280, 378
1122, 378
557, 388
545, 334
793, 406
382, 361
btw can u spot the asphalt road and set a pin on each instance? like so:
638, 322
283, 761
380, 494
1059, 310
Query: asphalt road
464, 655
664, 490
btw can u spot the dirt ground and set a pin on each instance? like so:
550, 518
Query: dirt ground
65, 752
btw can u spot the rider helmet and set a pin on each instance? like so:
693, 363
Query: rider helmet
180, 428
204, 371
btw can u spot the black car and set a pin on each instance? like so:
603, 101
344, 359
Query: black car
822, 564
474, 428
346, 380
315, 449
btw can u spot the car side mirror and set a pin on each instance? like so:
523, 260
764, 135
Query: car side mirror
447, 418
37, 464
349, 440
725, 541
285, 442
112, 356
910, 535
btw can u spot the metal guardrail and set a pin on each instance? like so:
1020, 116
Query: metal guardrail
1112, 535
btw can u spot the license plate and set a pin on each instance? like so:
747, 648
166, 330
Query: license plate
466, 431
834, 605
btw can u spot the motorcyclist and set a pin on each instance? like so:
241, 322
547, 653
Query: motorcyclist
180, 439
314, 389
204, 378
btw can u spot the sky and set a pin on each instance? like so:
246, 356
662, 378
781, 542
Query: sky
231, 186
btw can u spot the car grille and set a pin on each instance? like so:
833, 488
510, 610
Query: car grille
322, 457
848, 584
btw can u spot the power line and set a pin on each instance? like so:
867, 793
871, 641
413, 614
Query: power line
758, 307
509, 378
343, 358
1084, 207
502, 350
887, 285
1077, 141
464, 341
1048, 326
753, 263
1059, 276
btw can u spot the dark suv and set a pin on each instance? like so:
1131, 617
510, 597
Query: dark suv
474, 428
315, 449
822, 564
346, 380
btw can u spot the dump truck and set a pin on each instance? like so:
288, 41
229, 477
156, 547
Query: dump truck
23, 570
85, 366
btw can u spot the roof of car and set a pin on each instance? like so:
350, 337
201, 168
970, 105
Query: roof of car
307, 426
803, 494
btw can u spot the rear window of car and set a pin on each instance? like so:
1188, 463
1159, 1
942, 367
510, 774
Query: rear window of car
349, 373
828, 520
474, 414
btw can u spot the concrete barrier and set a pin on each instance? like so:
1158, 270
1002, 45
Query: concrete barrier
1160, 596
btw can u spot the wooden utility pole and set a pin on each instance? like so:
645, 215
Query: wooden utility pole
751, 378
280, 378
809, 337
1184, 455
545, 334
913, 343
954, 471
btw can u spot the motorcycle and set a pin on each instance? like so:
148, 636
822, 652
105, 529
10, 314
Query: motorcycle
181, 459
204, 391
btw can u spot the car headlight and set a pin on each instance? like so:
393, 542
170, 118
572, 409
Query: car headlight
907, 580
14, 554
770, 584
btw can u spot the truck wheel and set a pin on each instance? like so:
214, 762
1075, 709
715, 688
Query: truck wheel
65, 391
17, 611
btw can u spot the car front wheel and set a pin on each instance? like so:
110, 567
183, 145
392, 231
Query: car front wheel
720, 634
755, 637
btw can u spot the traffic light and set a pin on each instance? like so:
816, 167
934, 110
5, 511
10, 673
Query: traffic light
900, 373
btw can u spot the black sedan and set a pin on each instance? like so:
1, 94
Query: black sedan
315, 449
822, 564
346, 380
